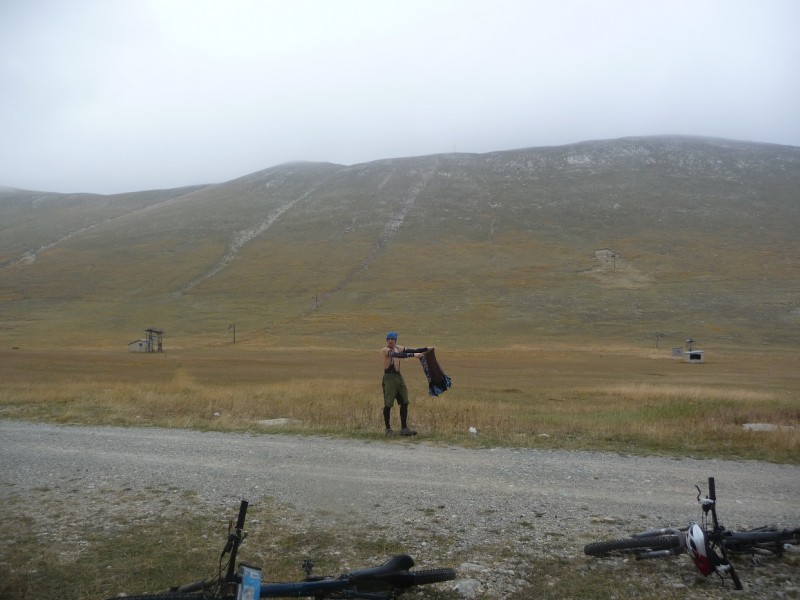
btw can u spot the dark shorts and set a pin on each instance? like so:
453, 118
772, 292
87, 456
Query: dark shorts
394, 388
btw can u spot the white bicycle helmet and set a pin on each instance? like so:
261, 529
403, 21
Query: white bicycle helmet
704, 557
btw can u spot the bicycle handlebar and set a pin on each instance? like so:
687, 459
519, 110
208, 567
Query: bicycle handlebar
242, 514
234, 539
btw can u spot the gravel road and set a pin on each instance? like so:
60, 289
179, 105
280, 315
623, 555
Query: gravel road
480, 495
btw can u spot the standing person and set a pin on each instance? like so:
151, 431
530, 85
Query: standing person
394, 386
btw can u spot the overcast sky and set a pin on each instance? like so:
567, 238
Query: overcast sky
109, 96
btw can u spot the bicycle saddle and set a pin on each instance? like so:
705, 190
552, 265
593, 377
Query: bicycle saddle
400, 562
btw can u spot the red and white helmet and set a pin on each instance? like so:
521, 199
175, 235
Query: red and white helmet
704, 557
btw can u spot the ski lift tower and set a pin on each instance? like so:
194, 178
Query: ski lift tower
154, 337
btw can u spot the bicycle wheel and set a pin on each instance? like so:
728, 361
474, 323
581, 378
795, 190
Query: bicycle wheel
633, 545
425, 576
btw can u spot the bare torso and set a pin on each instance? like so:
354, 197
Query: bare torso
391, 346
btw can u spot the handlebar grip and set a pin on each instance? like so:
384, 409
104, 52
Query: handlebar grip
242, 513
712, 489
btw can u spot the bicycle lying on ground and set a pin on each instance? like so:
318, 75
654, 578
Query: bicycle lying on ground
384, 582
707, 546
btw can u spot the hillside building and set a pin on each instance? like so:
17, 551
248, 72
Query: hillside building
139, 346
152, 343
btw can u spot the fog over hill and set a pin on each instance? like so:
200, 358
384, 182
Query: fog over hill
616, 239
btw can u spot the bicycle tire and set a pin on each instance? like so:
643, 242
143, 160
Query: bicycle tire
426, 576
634, 545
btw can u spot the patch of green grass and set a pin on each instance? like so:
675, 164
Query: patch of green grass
139, 558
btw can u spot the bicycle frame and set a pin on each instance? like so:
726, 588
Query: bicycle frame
698, 541
384, 582
707, 543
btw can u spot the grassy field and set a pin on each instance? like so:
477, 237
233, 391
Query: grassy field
615, 399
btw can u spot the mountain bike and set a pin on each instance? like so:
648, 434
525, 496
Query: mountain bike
707, 543
383, 582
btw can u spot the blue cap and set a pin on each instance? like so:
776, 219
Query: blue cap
391, 335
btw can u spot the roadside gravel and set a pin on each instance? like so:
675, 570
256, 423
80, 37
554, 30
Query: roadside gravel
528, 502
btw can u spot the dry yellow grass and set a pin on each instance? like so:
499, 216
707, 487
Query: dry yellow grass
557, 397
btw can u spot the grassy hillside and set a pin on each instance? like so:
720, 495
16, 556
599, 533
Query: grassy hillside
31, 222
598, 241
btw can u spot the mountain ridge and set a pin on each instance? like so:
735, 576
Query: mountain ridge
607, 239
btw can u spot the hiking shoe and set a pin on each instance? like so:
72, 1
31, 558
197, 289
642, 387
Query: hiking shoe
407, 431
389, 433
